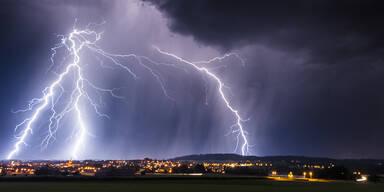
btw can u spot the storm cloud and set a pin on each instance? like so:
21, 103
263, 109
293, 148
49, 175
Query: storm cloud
325, 85
330, 31
312, 83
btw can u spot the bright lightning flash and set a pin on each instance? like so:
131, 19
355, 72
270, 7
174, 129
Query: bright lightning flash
74, 43
239, 120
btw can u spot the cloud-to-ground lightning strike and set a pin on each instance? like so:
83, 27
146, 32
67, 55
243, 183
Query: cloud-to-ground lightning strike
241, 131
74, 43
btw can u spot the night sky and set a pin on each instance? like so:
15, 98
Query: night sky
312, 83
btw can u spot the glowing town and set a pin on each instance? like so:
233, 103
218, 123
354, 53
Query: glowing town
277, 168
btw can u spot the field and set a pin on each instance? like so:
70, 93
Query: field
186, 185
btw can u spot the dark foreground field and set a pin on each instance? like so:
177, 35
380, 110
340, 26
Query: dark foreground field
170, 185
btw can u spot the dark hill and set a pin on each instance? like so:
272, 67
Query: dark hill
281, 159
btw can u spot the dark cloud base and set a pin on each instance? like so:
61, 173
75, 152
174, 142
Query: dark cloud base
330, 31
313, 83
328, 93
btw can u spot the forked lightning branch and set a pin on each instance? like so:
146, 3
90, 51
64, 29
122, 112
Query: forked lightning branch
77, 42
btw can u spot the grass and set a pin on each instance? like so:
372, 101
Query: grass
235, 185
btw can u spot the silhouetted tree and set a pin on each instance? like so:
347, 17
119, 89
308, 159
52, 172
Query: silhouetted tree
47, 171
374, 178
247, 171
337, 172
199, 168
182, 169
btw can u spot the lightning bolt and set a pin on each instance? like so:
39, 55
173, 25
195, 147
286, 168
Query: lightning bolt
74, 43
49, 97
220, 84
